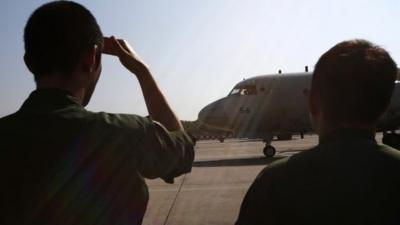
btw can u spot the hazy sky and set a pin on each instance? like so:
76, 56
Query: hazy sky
199, 49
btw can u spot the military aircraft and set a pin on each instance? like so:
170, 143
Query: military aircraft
262, 107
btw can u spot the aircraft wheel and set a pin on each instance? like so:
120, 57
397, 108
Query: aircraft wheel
269, 151
221, 140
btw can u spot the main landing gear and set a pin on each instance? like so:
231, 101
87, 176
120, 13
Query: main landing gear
269, 150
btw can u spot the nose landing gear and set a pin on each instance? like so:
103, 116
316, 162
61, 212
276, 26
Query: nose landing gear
269, 151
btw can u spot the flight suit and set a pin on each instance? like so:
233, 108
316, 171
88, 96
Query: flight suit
62, 164
347, 179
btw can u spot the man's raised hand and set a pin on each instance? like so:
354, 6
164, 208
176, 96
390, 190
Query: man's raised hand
127, 56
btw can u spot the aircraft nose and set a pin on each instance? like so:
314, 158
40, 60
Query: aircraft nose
213, 114
205, 112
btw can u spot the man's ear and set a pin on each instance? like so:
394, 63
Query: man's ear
312, 103
89, 63
28, 63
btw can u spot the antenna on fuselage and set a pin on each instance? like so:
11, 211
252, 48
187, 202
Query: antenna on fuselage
280, 71
306, 68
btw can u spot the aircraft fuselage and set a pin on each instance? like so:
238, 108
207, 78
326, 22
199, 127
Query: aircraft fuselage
274, 104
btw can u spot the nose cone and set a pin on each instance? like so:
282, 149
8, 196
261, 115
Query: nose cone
214, 114
206, 112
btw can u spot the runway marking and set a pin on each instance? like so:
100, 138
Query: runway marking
174, 202
220, 170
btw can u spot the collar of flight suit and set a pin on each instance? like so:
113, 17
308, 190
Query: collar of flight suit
347, 134
49, 99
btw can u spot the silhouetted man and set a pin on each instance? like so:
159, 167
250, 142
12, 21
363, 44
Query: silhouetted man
62, 164
348, 178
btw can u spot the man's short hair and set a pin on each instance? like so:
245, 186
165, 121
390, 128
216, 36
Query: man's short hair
355, 81
57, 35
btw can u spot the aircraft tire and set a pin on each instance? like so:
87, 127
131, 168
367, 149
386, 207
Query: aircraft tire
269, 151
221, 140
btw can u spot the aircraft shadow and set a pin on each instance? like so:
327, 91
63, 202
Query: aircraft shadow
237, 162
248, 140
261, 140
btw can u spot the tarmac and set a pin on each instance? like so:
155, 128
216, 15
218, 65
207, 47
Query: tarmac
222, 172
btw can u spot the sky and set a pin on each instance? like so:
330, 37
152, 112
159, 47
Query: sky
198, 50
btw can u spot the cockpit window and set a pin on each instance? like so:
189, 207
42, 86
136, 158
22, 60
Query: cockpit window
235, 91
244, 90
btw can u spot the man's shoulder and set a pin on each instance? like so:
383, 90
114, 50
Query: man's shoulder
389, 151
6, 118
319, 157
7, 121
285, 167
388, 156
302, 157
120, 120
80, 119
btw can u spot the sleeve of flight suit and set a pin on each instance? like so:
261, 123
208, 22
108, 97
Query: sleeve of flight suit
155, 151
257, 207
165, 154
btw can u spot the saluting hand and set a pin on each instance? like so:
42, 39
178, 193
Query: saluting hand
127, 56
156, 103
